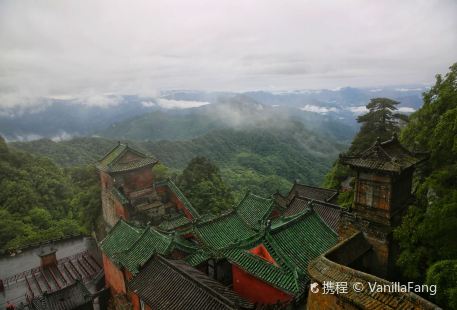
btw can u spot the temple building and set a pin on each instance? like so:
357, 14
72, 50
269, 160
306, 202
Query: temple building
367, 252
129, 190
264, 252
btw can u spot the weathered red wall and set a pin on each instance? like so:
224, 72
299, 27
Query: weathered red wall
180, 206
163, 190
114, 278
121, 212
138, 179
256, 290
105, 180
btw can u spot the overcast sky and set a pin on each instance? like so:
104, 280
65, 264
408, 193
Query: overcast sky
90, 48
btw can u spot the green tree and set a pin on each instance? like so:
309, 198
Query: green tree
443, 274
202, 184
40, 201
380, 121
161, 172
427, 234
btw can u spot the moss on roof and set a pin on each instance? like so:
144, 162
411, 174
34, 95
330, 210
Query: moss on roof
302, 239
131, 247
170, 224
254, 209
111, 162
224, 231
120, 238
388, 156
148, 244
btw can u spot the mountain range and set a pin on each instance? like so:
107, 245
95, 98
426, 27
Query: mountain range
197, 112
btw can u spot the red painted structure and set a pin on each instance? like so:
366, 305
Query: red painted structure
262, 252
114, 277
255, 290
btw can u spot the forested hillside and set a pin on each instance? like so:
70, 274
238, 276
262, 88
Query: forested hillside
260, 159
427, 236
40, 201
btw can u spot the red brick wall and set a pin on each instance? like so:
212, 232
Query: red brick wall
114, 278
137, 179
121, 212
105, 179
180, 206
256, 290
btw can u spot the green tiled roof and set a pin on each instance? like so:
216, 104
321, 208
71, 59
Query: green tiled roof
302, 239
292, 242
141, 251
254, 209
277, 276
197, 258
184, 245
120, 238
131, 247
169, 224
388, 156
183, 198
112, 155
224, 231
111, 161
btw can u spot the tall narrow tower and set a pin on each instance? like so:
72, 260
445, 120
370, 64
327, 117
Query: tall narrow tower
124, 173
382, 194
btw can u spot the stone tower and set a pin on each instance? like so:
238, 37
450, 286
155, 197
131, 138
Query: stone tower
126, 176
382, 194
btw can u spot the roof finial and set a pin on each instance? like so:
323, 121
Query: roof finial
118, 142
378, 140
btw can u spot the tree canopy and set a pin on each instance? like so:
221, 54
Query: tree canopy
40, 201
380, 121
202, 184
427, 235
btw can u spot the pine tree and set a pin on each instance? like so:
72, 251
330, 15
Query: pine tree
380, 121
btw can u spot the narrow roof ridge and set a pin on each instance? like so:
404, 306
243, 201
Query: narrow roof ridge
292, 219
181, 195
333, 205
215, 218
110, 151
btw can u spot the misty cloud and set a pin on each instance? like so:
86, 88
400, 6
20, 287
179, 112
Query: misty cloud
179, 104
88, 49
317, 109
406, 110
359, 110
